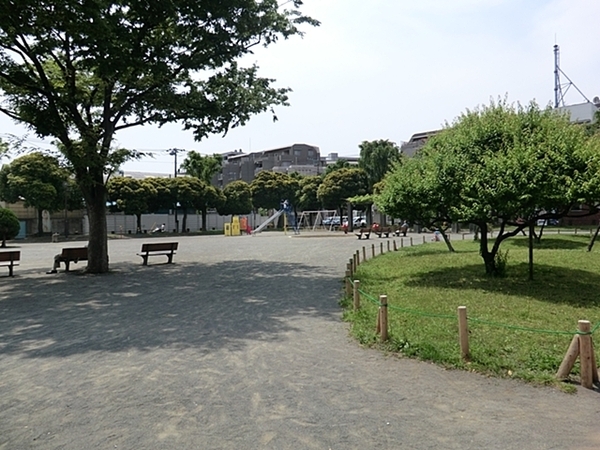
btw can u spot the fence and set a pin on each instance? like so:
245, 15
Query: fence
581, 344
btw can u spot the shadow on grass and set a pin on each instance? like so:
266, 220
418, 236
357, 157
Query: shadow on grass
146, 307
552, 243
551, 284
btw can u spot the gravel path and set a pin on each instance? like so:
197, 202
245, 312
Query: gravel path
239, 345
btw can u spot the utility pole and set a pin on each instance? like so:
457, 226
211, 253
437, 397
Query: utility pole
174, 152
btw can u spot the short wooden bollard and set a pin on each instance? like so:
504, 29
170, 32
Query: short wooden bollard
348, 283
354, 261
424, 241
411, 242
383, 318
585, 354
373, 250
463, 236
351, 263
395, 247
463, 332
388, 246
381, 248
401, 242
364, 253
356, 296
569, 360
357, 258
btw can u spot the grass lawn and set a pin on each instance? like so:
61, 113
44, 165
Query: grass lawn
427, 281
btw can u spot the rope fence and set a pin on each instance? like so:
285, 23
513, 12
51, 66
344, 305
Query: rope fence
581, 345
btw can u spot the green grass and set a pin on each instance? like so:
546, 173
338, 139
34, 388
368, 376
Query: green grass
429, 279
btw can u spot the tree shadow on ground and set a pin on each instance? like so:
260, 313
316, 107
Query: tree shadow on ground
551, 284
553, 243
146, 307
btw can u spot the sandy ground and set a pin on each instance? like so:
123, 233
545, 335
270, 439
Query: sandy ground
239, 345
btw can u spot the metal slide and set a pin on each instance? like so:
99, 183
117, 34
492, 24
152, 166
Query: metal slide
268, 221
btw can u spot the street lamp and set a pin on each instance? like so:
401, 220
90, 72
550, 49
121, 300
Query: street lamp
173, 152
66, 188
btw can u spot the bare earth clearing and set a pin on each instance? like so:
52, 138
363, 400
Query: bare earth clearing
239, 345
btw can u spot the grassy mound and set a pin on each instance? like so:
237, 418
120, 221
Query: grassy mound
425, 284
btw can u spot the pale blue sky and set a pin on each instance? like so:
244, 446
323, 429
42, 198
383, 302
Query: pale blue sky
385, 69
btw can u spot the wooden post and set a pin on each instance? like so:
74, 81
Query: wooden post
401, 242
351, 262
395, 246
378, 324
424, 239
354, 262
585, 354
411, 242
388, 246
463, 332
348, 284
463, 236
381, 248
364, 253
569, 360
373, 250
356, 295
357, 258
594, 366
383, 318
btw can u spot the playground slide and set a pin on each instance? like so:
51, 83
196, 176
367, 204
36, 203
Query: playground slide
268, 221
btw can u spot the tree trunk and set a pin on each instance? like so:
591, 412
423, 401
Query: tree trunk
138, 227
184, 222
4, 241
204, 218
95, 197
447, 240
488, 257
40, 218
591, 244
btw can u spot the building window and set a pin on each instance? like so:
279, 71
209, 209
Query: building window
311, 153
297, 152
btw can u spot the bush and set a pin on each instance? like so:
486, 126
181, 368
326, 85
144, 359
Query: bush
9, 225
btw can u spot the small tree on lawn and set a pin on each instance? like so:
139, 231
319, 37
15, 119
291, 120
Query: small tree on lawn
9, 225
500, 164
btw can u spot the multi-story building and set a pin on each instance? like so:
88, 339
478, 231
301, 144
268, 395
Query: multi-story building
301, 158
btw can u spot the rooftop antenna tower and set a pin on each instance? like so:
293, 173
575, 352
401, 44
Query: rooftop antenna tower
561, 89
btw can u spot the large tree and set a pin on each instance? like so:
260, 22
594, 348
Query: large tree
340, 185
130, 196
377, 158
269, 189
499, 165
81, 71
39, 181
307, 195
238, 199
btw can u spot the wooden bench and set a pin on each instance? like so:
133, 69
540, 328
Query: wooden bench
72, 254
363, 231
167, 249
10, 259
383, 231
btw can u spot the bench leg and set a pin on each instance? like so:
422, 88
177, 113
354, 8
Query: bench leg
67, 263
10, 270
145, 258
170, 257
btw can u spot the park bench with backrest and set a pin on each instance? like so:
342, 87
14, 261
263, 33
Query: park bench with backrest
381, 231
364, 231
167, 249
72, 254
10, 259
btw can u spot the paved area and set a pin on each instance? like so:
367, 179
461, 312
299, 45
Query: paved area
239, 345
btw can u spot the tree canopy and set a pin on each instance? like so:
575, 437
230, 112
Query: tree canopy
340, 185
270, 188
9, 225
82, 71
131, 196
39, 181
238, 199
377, 158
500, 164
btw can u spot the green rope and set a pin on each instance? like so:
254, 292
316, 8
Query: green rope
520, 328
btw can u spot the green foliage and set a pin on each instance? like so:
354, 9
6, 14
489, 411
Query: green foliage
82, 71
307, 196
377, 158
340, 185
130, 195
270, 188
339, 164
499, 164
163, 197
238, 199
202, 167
427, 279
9, 225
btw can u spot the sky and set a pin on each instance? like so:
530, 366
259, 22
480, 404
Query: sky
386, 69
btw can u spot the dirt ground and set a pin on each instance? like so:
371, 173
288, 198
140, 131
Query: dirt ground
239, 345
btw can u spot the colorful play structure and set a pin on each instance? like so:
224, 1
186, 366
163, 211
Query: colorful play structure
289, 219
237, 226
